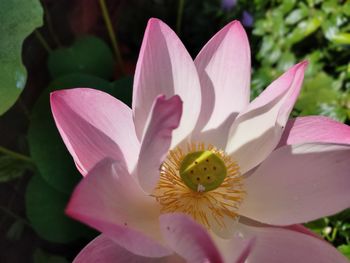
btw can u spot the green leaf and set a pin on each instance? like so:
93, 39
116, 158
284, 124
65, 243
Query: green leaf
315, 63
44, 257
341, 38
12, 168
286, 61
317, 226
334, 111
18, 19
295, 16
88, 54
122, 89
260, 80
287, 5
346, 8
45, 211
319, 96
345, 250
305, 28
330, 6
48, 151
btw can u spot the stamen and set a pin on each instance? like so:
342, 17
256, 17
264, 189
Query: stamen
202, 182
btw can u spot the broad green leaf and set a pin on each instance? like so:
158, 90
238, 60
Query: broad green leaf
45, 257
12, 168
18, 19
45, 210
88, 54
122, 90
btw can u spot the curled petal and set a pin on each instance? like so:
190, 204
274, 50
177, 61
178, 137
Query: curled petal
110, 200
188, 239
165, 67
165, 117
281, 245
103, 249
258, 129
94, 126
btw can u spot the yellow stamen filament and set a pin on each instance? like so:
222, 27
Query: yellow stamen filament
175, 196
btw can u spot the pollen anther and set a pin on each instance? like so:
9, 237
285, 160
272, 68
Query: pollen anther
208, 195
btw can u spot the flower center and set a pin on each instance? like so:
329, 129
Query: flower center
202, 171
201, 181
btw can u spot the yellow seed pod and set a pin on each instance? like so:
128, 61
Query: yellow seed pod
202, 171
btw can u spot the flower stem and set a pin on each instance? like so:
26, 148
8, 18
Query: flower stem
49, 25
42, 40
111, 33
179, 16
13, 215
15, 155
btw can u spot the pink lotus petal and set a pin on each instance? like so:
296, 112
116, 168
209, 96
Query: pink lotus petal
165, 117
299, 183
188, 239
315, 129
304, 230
104, 250
280, 245
276, 245
217, 136
110, 200
258, 129
224, 70
246, 250
94, 125
165, 67
296, 227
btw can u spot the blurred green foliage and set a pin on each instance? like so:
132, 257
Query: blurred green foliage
41, 256
45, 211
88, 54
290, 31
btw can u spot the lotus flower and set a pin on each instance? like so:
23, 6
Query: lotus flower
193, 148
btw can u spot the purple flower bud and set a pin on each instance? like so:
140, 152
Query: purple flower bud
247, 19
228, 4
